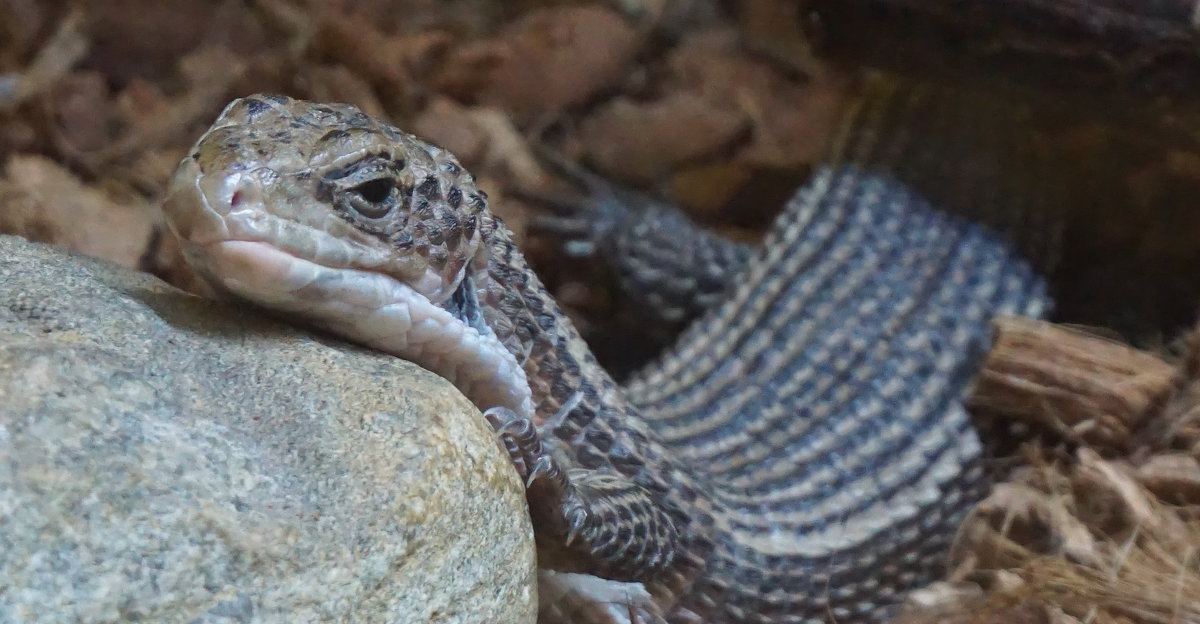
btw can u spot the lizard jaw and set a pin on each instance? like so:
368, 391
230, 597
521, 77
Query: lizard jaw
374, 309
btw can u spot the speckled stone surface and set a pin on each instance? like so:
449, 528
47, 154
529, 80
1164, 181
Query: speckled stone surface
169, 459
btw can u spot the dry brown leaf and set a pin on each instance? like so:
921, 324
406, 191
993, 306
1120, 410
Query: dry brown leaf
451, 125
543, 62
42, 201
644, 141
789, 122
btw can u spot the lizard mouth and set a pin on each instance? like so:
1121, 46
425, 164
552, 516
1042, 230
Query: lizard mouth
463, 304
279, 277
232, 235
375, 309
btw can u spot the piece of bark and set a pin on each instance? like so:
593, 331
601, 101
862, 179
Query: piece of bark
1084, 387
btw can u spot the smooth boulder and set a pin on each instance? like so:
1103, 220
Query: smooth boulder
165, 458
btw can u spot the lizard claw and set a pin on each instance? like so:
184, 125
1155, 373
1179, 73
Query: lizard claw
520, 439
576, 520
589, 218
547, 488
544, 467
538, 469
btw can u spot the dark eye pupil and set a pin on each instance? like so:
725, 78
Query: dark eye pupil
375, 191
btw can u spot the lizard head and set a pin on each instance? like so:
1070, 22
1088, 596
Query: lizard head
328, 184
321, 212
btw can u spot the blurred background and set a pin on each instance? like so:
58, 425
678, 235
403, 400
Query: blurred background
718, 106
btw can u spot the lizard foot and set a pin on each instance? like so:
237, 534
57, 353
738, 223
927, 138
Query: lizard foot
587, 220
587, 521
554, 504
584, 599
670, 266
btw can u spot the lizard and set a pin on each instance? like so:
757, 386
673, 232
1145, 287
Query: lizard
801, 455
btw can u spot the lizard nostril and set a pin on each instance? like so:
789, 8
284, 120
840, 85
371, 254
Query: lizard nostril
235, 201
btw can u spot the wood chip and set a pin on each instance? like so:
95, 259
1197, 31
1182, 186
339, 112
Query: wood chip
1078, 385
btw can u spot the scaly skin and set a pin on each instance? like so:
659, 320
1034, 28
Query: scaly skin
801, 456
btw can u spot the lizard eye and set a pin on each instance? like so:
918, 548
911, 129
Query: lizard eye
373, 199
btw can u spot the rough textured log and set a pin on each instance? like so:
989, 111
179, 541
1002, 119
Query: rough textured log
1079, 385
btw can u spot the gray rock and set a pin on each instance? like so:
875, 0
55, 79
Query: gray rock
169, 459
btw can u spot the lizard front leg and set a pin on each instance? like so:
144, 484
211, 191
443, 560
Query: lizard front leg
671, 267
586, 521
